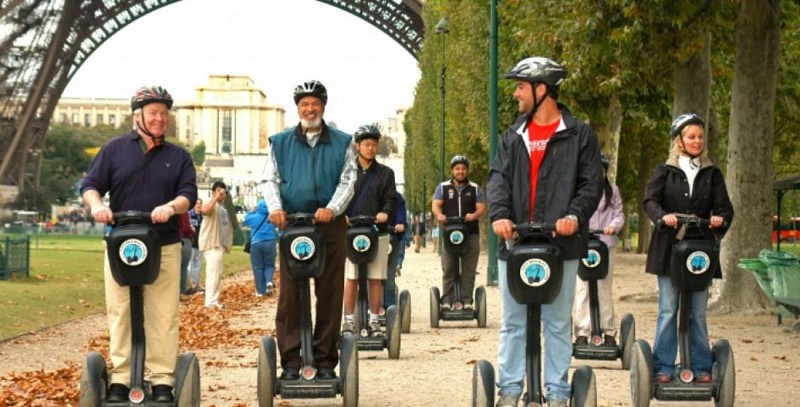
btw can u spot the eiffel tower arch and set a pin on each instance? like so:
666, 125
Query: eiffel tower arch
43, 43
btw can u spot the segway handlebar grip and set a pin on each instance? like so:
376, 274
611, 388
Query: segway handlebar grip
689, 221
362, 220
141, 216
453, 220
533, 227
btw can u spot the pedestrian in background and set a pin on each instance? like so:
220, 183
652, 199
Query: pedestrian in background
262, 248
216, 238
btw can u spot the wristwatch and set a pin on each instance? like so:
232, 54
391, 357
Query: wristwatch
172, 205
572, 218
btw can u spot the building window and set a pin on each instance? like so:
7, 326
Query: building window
87, 120
63, 119
226, 131
75, 120
99, 119
112, 119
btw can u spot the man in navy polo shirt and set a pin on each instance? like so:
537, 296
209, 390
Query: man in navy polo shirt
142, 172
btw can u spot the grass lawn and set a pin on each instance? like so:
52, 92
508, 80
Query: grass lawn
66, 282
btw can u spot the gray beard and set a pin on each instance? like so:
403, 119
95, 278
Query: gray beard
311, 124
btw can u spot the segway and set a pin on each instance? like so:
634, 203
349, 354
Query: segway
134, 255
362, 248
455, 242
534, 278
303, 247
592, 268
693, 264
403, 297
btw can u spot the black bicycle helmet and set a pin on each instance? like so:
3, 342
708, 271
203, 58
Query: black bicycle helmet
538, 69
682, 121
605, 160
367, 131
311, 88
150, 94
458, 159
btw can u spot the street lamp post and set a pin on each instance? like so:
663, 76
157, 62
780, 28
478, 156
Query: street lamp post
442, 31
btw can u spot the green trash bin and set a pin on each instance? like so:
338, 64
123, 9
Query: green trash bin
783, 270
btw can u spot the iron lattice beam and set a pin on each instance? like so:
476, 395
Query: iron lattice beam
402, 22
44, 42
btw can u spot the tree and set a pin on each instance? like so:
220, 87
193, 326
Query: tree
199, 153
750, 144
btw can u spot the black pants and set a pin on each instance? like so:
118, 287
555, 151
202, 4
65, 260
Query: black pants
469, 266
329, 290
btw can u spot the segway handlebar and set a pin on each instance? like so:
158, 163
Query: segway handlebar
533, 227
132, 215
362, 219
300, 217
452, 220
689, 221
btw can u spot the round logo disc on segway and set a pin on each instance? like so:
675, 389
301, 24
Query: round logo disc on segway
136, 395
698, 262
592, 259
133, 252
457, 237
302, 248
597, 340
309, 372
686, 376
361, 243
535, 272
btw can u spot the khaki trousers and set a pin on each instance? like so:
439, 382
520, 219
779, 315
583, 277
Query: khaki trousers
161, 301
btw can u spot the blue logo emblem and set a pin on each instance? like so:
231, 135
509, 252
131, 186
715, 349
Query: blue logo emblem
592, 259
535, 272
361, 243
457, 237
302, 248
133, 252
698, 262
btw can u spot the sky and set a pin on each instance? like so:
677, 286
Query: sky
277, 43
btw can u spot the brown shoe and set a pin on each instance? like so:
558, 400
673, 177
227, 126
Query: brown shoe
581, 340
663, 378
610, 340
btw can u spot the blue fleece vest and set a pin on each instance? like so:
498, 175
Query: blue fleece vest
309, 176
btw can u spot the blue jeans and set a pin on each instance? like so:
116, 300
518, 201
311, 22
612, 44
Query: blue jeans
186, 255
194, 267
557, 321
262, 258
665, 347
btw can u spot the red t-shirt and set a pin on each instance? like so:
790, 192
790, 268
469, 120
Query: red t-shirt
538, 136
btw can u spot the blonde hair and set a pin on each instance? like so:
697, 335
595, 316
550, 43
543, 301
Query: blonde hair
675, 151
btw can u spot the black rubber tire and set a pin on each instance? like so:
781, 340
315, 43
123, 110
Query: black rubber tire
393, 332
480, 306
724, 373
187, 379
405, 311
349, 371
627, 338
641, 374
266, 372
94, 381
483, 384
584, 388
435, 307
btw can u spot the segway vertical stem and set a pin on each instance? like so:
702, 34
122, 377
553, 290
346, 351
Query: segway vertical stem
306, 336
594, 308
138, 342
533, 358
684, 331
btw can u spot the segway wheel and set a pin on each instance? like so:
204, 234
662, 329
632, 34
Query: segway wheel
628, 336
405, 311
266, 371
393, 332
483, 384
641, 374
723, 373
584, 388
435, 307
187, 377
94, 379
349, 371
480, 306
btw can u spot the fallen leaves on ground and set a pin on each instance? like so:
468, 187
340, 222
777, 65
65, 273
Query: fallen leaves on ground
200, 328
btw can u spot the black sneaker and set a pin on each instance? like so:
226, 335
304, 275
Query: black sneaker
609, 340
326, 373
117, 392
581, 340
290, 374
162, 393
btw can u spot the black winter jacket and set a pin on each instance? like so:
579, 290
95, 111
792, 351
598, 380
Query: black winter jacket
668, 192
570, 181
379, 195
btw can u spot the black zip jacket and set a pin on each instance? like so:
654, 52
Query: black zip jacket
570, 181
379, 196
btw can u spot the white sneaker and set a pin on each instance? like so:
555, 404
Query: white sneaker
556, 403
348, 326
507, 401
270, 289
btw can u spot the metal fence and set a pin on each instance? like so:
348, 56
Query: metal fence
15, 257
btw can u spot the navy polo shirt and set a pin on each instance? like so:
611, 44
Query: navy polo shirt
169, 174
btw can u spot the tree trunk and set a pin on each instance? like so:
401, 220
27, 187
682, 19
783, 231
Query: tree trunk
693, 82
750, 143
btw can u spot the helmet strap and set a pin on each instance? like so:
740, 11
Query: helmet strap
157, 140
536, 103
684, 151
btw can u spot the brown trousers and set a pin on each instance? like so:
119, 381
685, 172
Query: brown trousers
329, 290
